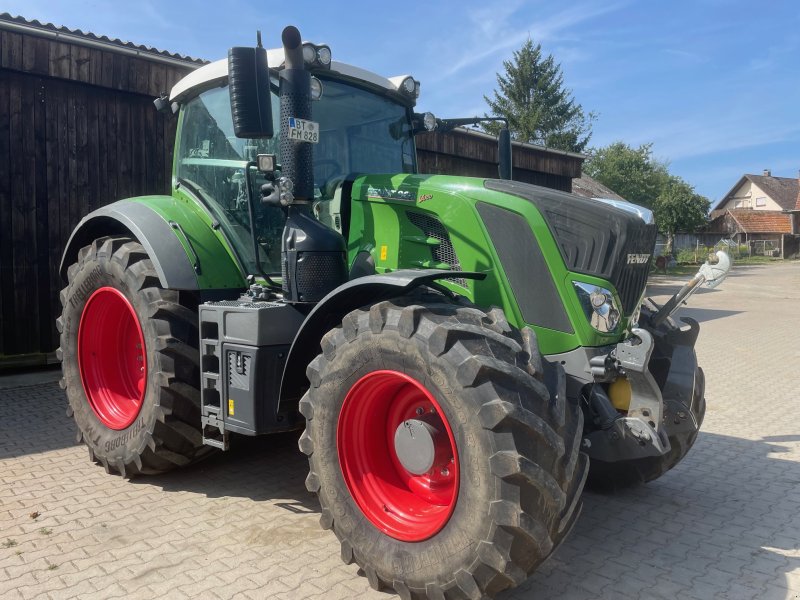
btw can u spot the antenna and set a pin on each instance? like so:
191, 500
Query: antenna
258, 38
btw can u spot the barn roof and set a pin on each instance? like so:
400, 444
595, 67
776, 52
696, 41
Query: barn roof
20, 24
761, 221
591, 188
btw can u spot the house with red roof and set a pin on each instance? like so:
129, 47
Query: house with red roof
761, 208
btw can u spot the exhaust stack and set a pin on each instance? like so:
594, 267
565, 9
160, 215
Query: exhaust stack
313, 256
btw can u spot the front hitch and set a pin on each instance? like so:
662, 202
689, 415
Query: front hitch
641, 430
712, 273
646, 410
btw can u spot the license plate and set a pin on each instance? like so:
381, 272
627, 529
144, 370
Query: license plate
303, 131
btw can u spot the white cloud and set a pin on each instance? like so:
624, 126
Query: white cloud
497, 35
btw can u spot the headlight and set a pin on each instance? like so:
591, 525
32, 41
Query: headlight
408, 85
598, 305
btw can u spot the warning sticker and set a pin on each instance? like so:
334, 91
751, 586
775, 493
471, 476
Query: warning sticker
303, 131
230, 406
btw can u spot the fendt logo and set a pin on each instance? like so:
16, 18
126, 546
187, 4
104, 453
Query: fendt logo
638, 259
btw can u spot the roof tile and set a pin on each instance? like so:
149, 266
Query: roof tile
762, 221
783, 190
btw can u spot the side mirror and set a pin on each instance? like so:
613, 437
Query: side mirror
504, 153
251, 102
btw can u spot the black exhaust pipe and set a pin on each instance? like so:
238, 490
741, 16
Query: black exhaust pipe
295, 93
313, 256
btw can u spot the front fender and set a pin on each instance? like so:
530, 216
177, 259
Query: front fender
186, 253
330, 311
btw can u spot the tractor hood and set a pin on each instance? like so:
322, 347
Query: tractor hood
594, 238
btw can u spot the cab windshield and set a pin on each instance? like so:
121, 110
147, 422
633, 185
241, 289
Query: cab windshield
360, 132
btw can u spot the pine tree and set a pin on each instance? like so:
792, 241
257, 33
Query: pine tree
538, 107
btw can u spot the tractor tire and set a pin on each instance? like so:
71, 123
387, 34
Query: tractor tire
610, 477
504, 444
130, 361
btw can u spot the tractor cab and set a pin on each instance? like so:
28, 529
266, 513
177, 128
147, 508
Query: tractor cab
366, 125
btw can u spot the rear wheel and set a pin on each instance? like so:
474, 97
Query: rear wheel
130, 361
441, 447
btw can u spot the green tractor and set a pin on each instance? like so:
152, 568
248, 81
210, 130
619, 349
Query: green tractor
456, 348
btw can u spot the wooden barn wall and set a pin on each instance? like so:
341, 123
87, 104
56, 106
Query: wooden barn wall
78, 130
456, 153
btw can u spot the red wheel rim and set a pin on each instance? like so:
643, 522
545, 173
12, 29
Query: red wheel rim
111, 358
403, 505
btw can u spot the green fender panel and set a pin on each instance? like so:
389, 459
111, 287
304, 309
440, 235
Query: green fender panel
187, 253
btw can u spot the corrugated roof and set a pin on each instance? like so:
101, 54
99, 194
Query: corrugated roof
34, 25
761, 221
783, 190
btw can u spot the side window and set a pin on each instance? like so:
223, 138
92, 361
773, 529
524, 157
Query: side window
210, 154
212, 161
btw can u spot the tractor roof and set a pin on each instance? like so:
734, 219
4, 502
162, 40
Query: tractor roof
216, 74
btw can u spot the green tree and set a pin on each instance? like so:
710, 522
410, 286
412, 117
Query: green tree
633, 173
636, 175
679, 208
538, 107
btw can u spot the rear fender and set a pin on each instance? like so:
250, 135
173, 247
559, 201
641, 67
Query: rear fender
332, 309
185, 252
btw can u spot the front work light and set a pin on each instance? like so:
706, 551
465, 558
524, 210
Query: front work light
316, 88
324, 56
316, 56
598, 305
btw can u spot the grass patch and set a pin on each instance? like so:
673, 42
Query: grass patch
51, 566
45, 531
756, 260
9, 543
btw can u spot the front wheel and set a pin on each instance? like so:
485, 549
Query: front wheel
443, 451
130, 361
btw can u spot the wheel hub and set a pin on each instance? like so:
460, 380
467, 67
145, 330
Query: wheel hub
420, 446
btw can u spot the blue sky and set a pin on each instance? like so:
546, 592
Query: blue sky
714, 84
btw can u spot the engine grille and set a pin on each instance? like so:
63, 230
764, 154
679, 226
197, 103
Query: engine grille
631, 279
444, 251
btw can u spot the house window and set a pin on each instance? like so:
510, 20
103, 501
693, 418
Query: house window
762, 201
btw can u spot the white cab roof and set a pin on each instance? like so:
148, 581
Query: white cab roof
216, 73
